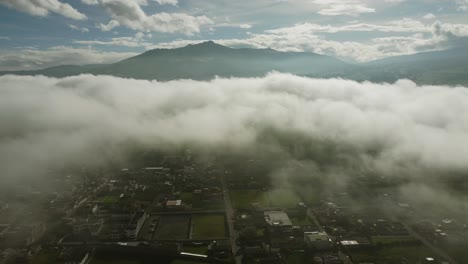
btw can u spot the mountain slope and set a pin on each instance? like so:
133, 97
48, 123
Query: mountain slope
205, 61
436, 67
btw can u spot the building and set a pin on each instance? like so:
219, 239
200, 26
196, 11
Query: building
317, 240
355, 243
277, 220
88, 227
136, 224
174, 204
37, 232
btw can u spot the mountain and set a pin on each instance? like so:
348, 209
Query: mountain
206, 60
436, 67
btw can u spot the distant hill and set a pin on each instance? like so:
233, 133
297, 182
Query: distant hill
436, 67
206, 60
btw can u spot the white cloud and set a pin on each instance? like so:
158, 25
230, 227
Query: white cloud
81, 29
402, 25
167, 2
462, 5
429, 16
4, 38
136, 41
109, 26
245, 26
27, 59
342, 7
90, 2
447, 29
44, 7
88, 119
306, 37
131, 15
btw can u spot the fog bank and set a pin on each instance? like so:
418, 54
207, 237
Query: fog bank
401, 128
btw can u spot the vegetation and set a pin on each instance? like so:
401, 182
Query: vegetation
300, 221
109, 199
114, 261
412, 254
172, 227
243, 199
394, 240
208, 226
45, 257
195, 250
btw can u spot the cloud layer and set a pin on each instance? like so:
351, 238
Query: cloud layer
309, 37
131, 15
398, 128
32, 59
44, 7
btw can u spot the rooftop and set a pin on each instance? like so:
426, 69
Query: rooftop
174, 203
277, 218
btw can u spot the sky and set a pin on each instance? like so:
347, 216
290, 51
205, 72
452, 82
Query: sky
43, 33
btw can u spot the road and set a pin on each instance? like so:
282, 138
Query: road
311, 216
233, 234
345, 258
438, 251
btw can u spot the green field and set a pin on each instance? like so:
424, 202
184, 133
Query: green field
297, 258
179, 261
281, 198
385, 240
242, 199
186, 197
108, 199
208, 226
102, 261
46, 257
301, 221
195, 249
413, 254
172, 227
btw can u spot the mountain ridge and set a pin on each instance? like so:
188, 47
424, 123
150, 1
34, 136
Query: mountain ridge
208, 59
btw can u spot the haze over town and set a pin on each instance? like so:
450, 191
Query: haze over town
177, 131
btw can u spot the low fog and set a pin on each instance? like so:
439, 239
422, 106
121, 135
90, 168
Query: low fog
338, 128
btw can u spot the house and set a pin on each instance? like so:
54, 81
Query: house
136, 224
317, 240
277, 220
174, 204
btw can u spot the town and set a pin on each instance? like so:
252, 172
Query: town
183, 210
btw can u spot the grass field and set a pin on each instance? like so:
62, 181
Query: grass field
208, 226
413, 254
46, 257
172, 227
102, 261
179, 261
384, 240
195, 250
242, 199
301, 221
109, 199
281, 198
297, 258
186, 197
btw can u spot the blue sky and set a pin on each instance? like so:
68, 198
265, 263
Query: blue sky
42, 33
